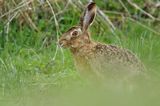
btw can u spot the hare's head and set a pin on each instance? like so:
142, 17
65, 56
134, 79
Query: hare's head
78, 35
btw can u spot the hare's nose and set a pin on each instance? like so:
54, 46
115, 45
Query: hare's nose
60, 43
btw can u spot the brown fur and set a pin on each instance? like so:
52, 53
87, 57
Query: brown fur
97, 59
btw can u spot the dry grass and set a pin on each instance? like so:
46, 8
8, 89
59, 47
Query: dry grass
29, 31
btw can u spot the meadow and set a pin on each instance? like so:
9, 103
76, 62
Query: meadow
35, 71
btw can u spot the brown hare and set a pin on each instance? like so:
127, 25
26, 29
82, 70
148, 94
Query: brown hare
97, 59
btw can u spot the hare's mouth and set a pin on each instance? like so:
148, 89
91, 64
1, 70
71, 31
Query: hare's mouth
62, 44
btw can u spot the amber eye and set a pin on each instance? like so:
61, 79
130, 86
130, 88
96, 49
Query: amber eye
75, 33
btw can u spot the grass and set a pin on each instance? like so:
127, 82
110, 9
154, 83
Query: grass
27, 67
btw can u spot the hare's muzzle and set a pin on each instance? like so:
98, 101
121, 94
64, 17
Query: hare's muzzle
62, 43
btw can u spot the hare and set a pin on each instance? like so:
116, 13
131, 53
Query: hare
97, 59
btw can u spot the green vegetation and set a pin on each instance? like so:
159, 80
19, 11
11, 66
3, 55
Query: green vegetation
29, 63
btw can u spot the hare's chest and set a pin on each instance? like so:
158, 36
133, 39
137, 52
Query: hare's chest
84, 66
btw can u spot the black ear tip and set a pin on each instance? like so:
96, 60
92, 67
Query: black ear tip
91, 5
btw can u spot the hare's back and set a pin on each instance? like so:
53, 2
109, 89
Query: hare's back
117, 56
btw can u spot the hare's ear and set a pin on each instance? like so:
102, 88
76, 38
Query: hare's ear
88, 16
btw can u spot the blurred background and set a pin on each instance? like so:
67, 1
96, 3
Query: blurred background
32, 64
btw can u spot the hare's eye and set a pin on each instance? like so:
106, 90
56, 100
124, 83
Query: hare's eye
75, 33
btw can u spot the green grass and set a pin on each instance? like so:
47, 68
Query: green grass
24, 61
27, 67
